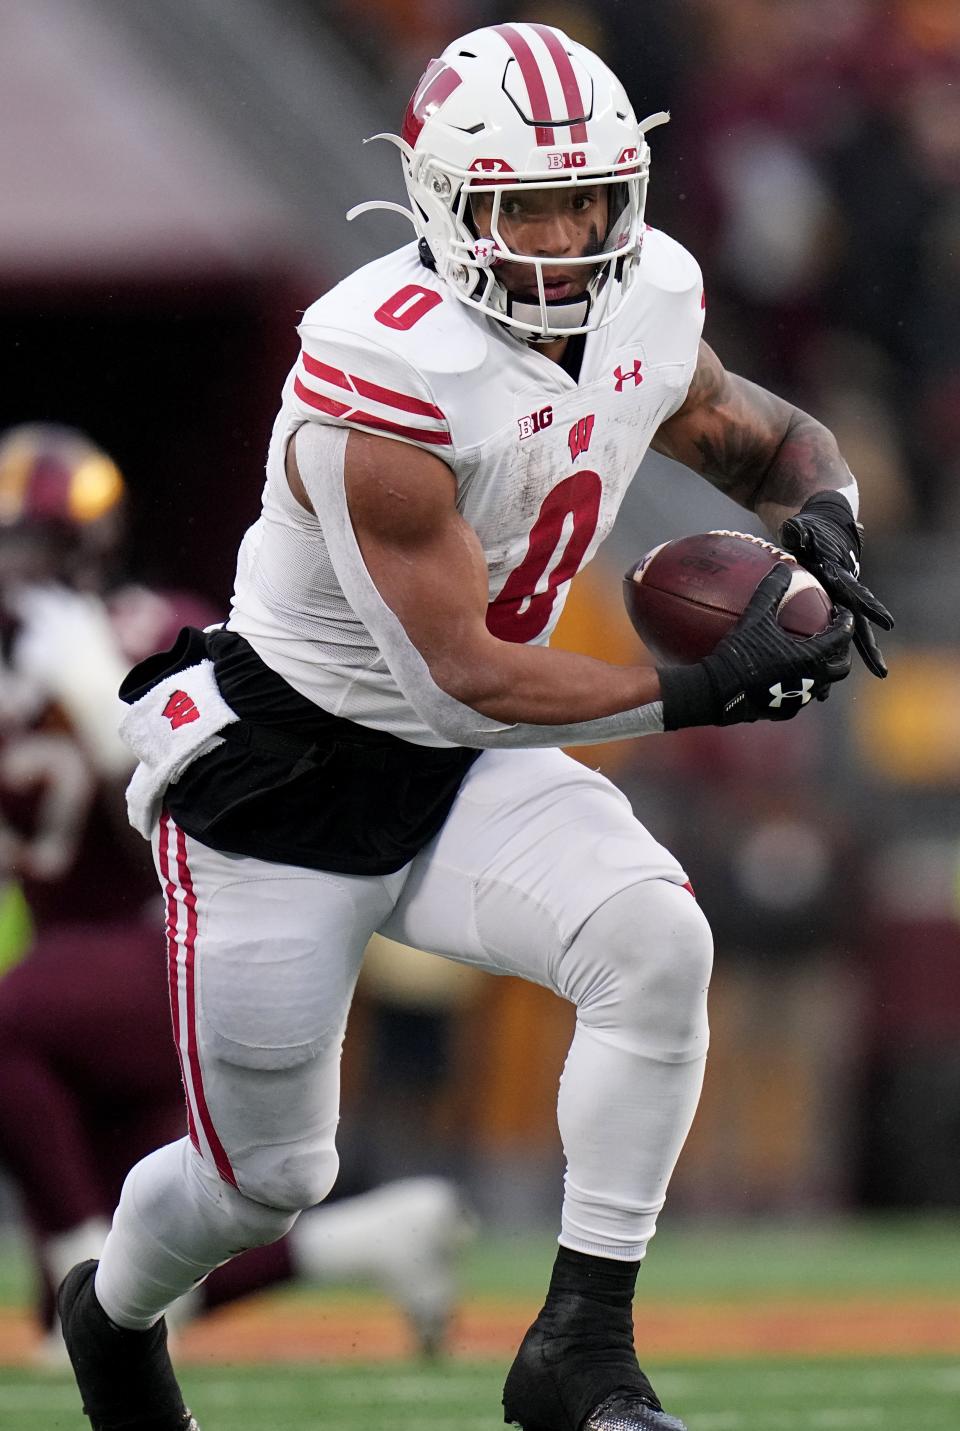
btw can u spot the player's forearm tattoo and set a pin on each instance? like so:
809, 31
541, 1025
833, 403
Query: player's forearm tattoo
750, 444
806, 461
757, 466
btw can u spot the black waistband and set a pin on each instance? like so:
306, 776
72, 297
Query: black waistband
265, 701
295, 784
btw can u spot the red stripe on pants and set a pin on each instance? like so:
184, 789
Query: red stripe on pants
193, 1054
171, 927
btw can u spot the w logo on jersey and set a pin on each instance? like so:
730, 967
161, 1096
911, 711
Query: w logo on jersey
181, 709
579, 436
621, 377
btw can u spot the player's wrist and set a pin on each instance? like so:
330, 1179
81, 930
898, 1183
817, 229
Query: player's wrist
824, 528
689, 696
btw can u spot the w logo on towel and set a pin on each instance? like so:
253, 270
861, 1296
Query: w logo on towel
181, 709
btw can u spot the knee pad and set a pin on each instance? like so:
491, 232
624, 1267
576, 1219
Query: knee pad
176, 1221
253, 1222
287, 1184
639, 969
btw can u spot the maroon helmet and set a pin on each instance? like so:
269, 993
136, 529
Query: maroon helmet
61, 504
55, 474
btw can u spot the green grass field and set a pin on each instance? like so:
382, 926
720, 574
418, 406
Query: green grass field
922, 1395
796, 1263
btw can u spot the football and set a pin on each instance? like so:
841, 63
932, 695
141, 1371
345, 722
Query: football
684, 595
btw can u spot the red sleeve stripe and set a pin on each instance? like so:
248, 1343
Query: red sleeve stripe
533, 79
395, 399
416, 434
365, 388
324, 371
568, 80
367, 419
317, 400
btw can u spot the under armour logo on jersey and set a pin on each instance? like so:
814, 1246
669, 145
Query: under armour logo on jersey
622, 377
579, 436
780, 695
181, 709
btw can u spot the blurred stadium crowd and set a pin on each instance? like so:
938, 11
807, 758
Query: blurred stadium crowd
812, 164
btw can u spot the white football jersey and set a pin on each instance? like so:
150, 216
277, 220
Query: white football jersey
541, 461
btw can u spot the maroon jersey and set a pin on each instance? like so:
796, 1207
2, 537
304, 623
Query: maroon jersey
63, 829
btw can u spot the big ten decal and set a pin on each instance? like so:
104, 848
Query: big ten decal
556, 547
567, 159
535, 422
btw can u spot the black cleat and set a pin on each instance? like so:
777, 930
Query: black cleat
625, 1412
125, 1378
577, 1371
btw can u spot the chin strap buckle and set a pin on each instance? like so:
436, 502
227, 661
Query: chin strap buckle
485, 252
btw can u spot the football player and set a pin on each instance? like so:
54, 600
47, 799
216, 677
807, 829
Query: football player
89, 1078
371, 742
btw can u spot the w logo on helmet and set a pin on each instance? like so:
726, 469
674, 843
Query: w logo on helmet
181, 709
436, 84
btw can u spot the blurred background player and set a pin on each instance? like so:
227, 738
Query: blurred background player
88, 1075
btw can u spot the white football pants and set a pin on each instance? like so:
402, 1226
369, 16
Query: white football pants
541, 870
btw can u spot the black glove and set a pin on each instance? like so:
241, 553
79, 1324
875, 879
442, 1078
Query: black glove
758, 671
825, 538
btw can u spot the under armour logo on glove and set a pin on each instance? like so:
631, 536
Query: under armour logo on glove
181, 709
780, 695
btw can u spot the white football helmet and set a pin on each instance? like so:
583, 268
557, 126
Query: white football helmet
522, 104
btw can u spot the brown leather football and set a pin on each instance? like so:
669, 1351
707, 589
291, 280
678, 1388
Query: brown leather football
683, 596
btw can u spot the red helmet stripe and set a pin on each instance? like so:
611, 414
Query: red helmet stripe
568, 80
533, 79
437, 84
